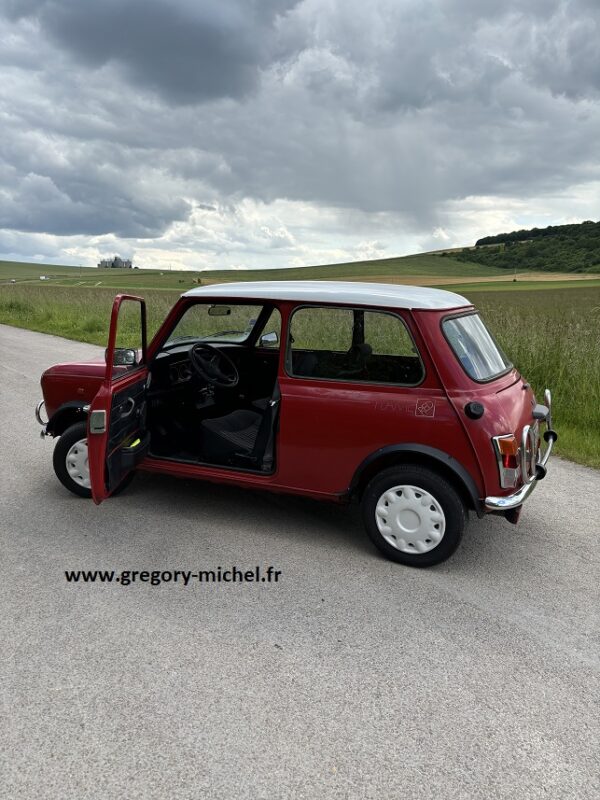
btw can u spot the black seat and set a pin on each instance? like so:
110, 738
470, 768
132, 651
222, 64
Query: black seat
357, 361
243, 437
304, 364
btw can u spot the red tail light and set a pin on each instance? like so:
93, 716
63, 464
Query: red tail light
509, 462
507, 455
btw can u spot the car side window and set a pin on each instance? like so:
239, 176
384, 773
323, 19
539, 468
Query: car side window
387, 335
352, 344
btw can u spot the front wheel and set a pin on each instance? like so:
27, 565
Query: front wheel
413, 515
70, 462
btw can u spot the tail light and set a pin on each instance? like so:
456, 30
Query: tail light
507, 455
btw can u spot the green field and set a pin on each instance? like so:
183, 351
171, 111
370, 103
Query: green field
550, 329
553, 337
20, 273
422, 267
521, 286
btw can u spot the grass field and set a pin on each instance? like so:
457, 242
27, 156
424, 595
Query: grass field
553, 337
550, 329
422, 267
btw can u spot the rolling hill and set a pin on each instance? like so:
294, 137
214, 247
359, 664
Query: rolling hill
557, 248
568, 249
426, 268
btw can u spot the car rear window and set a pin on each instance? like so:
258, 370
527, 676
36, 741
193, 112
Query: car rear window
474, 347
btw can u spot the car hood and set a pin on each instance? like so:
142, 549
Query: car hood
92, 369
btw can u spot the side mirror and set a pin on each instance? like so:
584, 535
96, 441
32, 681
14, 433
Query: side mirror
268, 339
124, 357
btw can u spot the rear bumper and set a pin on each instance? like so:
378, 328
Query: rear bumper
515, 500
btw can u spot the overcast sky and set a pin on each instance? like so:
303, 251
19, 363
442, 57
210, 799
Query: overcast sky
250, 133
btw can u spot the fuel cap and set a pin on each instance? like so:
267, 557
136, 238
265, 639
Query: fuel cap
474, 410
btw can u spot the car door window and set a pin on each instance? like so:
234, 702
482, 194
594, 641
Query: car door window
352, 344
128, 352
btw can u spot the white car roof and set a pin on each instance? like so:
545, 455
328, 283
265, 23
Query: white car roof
369, 294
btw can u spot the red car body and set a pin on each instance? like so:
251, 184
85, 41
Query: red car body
333, 437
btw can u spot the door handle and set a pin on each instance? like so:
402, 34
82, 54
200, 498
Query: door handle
129, 411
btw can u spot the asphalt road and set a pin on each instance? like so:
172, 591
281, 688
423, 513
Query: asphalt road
351, 678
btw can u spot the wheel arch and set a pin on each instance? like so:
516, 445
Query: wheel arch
66, 415
423, 455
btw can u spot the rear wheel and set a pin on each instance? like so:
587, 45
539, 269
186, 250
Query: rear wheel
70, 460
413, 515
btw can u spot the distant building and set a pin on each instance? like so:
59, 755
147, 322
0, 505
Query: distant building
115, 263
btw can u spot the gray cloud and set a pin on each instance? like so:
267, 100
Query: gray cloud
185, 50
133, 113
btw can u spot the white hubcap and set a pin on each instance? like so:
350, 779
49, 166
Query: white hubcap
77, 463
410, 519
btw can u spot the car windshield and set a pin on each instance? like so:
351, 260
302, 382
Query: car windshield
216, 322
475, 348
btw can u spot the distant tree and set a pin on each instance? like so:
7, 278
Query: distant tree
564, 248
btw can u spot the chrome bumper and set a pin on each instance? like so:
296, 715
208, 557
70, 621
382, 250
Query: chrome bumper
38, 416
538, 471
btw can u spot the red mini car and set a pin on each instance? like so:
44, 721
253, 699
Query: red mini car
396, 396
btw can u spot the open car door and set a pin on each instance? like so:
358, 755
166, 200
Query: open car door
117, 436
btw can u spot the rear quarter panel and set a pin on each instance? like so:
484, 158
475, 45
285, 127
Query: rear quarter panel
508, 400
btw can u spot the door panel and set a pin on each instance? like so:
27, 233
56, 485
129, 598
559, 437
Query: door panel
128, 439
114, 451
117, 435
327, 429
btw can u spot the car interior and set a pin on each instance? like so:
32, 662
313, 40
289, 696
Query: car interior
214, 399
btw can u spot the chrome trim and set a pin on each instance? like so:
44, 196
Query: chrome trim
548, 404
529, 451
518, 498
523, 454
38, 414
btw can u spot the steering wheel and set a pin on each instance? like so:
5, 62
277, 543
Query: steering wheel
213, 365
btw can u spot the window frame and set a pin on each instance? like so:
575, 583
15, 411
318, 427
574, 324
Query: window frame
287, 361
474, 313
267, 308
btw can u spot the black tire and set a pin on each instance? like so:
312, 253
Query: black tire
74, 434
442, 492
